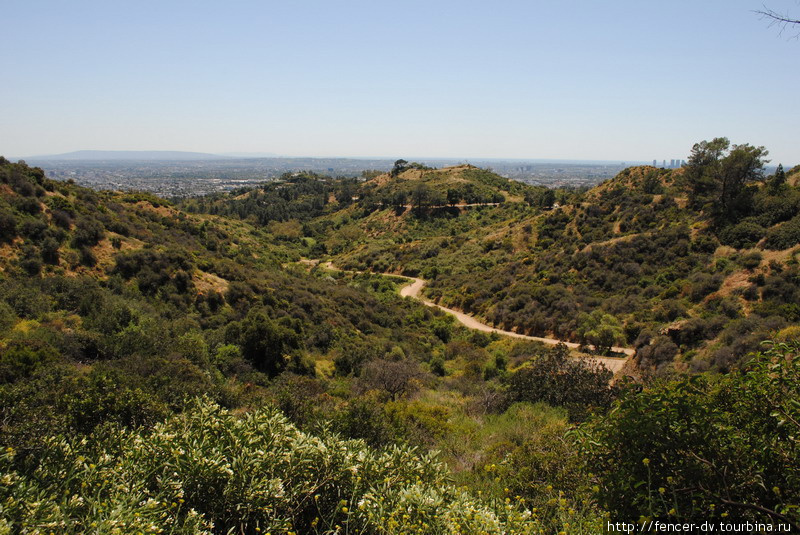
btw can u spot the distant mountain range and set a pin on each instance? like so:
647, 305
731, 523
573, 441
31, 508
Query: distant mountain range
140, 155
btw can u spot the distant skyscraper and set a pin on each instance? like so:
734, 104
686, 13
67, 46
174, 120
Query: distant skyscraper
672, 163
655, 164
663, 163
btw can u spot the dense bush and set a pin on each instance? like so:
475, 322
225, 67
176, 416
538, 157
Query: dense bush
705, 447
554, 378
784, 236
742, 235
209, 471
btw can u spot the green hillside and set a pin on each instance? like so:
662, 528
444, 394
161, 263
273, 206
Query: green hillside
199, 366
667, 261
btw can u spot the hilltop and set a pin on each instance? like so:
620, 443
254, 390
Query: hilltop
461, 184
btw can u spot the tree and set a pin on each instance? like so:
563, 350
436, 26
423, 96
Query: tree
777, 181
395, 377
717, 175
704, 156
601, 330
556, 379
547, 199
399, 167
266, 344
453, 196
421, 196
399, 198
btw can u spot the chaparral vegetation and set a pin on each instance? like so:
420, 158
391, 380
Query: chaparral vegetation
246, 363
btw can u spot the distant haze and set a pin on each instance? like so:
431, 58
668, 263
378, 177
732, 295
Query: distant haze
581, 80
113, 155
171, 156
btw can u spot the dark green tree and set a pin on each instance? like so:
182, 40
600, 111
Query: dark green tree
399, 166
555, 378
266, 344
399, 198
777, 181
420, 197
717, 174
453, 196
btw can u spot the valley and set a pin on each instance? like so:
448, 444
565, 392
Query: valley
464, 353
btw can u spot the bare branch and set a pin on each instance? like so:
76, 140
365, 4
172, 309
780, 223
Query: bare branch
776, 19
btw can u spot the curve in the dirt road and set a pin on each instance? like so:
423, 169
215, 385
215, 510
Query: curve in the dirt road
414, 290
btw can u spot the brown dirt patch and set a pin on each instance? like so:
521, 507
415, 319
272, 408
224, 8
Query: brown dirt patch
733, 281
208, 282
104, 252
163, 211
611, 241
9, 252
779, 256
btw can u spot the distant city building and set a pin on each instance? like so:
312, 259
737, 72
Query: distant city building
674, 163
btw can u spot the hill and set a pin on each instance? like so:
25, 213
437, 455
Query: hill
126, 290
147, 349
649, 257
461, 184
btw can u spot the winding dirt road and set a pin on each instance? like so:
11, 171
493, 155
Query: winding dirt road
414, 290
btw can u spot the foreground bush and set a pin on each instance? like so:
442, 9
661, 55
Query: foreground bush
705, 447
209, 471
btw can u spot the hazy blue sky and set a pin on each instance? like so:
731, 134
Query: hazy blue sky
619, 80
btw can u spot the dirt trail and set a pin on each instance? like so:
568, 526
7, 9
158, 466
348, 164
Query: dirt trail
414, 289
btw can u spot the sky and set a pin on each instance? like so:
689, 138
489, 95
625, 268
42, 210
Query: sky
630, 80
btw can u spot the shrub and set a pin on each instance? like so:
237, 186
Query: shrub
50, 248
252, 474
558, 380
703, 284
62, 219
88, 233
26, 205
20, 358
705, 447
784, 236
742, 235
8, 226
267, 345
750, 260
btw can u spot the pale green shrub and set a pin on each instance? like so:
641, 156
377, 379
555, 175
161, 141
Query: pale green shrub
210, 471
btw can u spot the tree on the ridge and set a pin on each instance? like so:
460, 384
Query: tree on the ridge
718, 173
399, 167
453, 196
